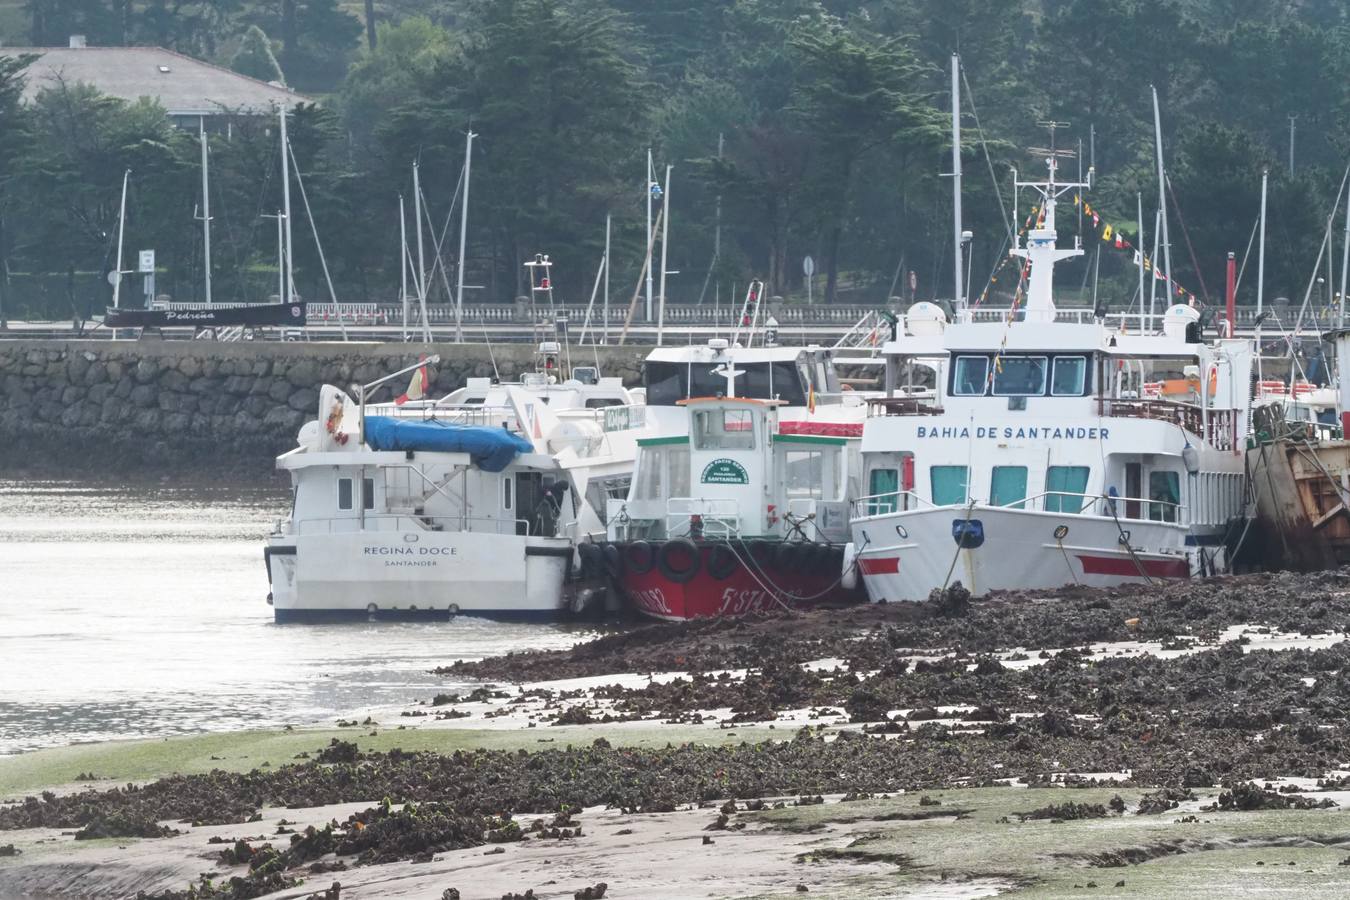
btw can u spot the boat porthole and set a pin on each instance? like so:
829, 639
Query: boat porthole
1061, 532
901, 531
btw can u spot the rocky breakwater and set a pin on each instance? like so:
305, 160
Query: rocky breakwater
146, 405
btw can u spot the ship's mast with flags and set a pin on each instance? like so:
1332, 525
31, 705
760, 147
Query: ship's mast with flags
1041, 252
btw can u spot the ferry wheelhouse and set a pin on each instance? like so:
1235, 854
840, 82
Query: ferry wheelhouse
1047, 457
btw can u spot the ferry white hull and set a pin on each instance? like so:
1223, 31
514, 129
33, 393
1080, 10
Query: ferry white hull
406, 575
903, 556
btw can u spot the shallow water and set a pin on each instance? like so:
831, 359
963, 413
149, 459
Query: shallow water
138, 611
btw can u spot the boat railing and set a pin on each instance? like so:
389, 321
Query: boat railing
886, 503
411, 522
1126, 509
1216, 427
902, 406
718, 516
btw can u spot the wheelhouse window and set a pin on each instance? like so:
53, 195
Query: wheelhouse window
1069, 376
1020, 376
724, 429
344, 493
950, 485
971, 376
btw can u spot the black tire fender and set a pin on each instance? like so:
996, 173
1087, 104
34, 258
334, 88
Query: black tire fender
722, 562
673, 570
613, 560
639, 557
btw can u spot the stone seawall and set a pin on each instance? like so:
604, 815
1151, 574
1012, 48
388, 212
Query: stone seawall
84, 407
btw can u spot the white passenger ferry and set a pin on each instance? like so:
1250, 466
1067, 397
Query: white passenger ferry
1044, 460
467, 504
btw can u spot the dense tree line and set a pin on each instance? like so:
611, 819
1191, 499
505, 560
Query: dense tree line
794, 127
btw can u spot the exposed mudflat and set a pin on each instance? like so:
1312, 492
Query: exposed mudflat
1071, 741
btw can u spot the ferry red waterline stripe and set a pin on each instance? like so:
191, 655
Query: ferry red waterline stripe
1125, 565
879, 565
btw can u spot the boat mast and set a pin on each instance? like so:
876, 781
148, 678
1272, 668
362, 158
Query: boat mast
206, 213
121, 228
1139, 213
650, 183
958, 295
1261, 250
286, 210
1345, 260
665, 239
1162, 193
403, 263
605, 338
463, 234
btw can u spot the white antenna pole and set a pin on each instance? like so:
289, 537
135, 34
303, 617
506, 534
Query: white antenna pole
605, 333
648, 188
1162, 194
121, 229
1153, 284
206, 213
403, 263
957, 294
1139, 202
665, 236
1261, 250
289, 294
463, 234
1345, 260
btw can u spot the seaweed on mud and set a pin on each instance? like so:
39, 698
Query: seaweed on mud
1064, 812
122, 825
1245, 796
1163, 800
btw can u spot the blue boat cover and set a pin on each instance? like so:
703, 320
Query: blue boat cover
491, 449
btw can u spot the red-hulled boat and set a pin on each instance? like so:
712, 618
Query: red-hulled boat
738, 515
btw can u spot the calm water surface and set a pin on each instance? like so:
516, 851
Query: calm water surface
137, 611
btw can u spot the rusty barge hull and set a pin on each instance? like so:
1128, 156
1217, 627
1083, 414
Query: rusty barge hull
1301, 488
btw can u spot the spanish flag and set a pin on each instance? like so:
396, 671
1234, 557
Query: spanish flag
417, 387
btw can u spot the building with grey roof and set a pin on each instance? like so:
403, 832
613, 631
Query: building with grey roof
191, 91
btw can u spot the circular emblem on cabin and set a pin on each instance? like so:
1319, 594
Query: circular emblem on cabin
1061, 532
902, 532
409, 537
724, 471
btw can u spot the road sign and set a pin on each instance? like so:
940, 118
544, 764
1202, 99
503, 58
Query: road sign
147, 262
808, 267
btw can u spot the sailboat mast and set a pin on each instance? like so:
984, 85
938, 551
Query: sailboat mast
958, 295
286, 208
463, 235
206, 214
605, 338
1261, 249
417, 221
649, 231
665, 235
1162, 194
1139, 213
1345, 260
403, 264
121, 228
